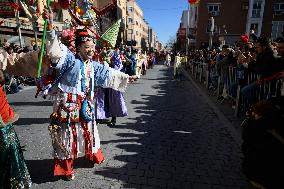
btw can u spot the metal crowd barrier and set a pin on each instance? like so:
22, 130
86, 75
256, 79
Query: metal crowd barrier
228, 83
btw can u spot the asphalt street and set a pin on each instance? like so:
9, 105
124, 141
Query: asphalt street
173, 137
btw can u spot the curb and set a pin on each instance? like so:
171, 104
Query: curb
224, 120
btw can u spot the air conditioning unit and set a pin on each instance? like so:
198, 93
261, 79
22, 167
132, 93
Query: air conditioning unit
214, 13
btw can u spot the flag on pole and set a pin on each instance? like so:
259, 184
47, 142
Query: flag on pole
111, 34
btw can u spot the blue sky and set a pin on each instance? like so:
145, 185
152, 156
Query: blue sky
163, 15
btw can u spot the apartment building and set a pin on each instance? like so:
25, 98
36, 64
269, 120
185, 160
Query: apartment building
135, 24
152, 39
277, 28
234, 18
121, 13
144, 37
266, 17
230, 18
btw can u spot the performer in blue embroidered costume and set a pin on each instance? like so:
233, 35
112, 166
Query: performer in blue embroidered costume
130, 67
73, 128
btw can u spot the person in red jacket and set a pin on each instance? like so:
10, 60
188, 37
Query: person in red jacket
14, 172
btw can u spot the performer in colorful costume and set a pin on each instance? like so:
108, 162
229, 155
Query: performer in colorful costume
100, 92
73, 128
130, 67
115, 103
13, 170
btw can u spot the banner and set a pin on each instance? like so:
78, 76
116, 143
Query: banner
111, 34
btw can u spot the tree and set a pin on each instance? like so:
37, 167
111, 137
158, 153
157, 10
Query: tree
171, 42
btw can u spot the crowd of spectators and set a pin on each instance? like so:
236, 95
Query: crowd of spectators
258, 73
9, 54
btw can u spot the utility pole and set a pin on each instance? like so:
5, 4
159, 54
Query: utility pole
211, 30
19, 25
187, 31
35, 33
35, 24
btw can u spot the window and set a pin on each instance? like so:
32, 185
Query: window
130, 9
277, 29
213, 9
278, 8
257, 5
255, 13
130, 20
256, 9
136, 32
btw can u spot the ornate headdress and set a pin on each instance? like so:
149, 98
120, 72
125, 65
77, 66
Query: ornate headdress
81, 36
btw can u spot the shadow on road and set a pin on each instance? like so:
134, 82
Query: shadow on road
170, 145
31, 121
41, 170
42, 103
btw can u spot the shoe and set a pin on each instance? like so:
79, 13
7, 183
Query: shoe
111, 124
113, 121
70, 177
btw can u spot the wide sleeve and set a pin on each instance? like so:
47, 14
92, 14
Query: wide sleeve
57, 51
107, 77
63, 60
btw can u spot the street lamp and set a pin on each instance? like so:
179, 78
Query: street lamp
19, 26
32, 10
211, 30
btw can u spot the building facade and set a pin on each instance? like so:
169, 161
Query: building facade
277, 29
230, 18
134, 30
135, 19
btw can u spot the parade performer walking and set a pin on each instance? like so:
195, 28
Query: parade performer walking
168, 59
13, 170
177, 67
115, 105
73, 128
100, 92
130, 67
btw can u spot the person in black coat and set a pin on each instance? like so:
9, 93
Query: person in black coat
263, 144
264, 65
